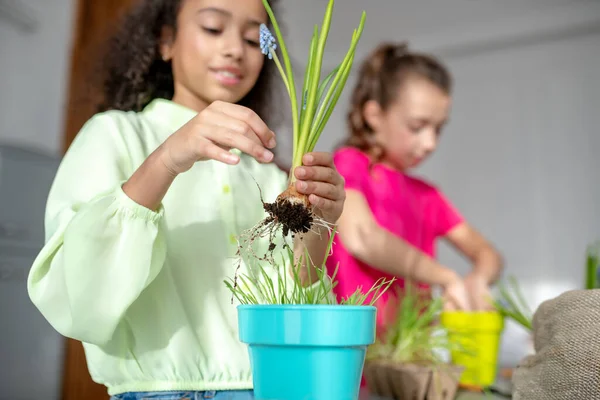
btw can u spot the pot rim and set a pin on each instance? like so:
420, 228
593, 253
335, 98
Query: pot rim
311, 307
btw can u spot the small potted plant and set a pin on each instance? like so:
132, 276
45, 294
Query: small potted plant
479, 333
303, 342
407, 363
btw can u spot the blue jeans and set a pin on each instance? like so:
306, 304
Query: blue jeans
175, 395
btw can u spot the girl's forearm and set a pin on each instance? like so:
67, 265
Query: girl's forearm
489, 264
384, 251
315, 244
150, 182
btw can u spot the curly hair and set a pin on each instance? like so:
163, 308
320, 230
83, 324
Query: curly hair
382, 73
134, 73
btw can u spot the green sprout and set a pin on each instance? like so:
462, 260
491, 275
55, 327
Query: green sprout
291, 211
592, 260
511, 304
415, 336
258, 286
318, 97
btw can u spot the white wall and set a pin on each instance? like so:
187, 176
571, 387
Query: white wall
34, 67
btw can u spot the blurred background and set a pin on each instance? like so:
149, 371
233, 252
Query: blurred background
519, 157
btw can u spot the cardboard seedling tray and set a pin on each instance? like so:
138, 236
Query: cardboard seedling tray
412, 381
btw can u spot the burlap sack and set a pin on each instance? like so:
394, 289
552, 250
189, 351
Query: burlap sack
566, 363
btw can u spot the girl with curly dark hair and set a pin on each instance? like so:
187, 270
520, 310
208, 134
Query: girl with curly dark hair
392, 219
143, 215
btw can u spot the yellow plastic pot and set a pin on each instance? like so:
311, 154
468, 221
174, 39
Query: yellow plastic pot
478, 337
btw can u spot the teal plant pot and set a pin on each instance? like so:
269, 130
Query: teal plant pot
307, 352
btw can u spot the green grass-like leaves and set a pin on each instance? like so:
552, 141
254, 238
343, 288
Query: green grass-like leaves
511, 303
318, 97
285, 287
415, 336
592, 264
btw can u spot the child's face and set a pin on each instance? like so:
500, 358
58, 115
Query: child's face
215, 53
409, 128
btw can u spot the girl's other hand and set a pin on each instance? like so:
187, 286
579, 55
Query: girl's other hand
480, 296
455, 295
322, 183
210, 135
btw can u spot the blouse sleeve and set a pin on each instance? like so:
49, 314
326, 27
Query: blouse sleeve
446, 215
102, 249
353, 166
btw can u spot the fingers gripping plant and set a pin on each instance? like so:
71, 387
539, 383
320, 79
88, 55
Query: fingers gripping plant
291, 212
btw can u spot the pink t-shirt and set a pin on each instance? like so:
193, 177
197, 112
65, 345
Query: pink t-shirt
406, 206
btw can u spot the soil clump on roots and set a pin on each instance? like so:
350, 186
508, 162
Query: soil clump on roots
292, 212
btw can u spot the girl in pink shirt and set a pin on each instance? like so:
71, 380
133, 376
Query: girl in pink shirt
391, 220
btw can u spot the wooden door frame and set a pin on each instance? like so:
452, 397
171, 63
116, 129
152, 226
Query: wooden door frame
93, 22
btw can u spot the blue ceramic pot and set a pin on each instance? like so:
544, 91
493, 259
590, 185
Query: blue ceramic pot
307, 352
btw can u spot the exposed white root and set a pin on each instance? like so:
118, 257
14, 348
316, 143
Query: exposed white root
269, 228
320, 222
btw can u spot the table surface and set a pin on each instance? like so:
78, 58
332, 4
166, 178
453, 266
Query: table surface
460, 396
501, 385
477, 396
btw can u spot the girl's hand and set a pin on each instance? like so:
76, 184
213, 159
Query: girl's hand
319, 179
213, 132
455, 295
480, 296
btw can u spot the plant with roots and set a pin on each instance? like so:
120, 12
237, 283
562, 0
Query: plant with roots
291, 212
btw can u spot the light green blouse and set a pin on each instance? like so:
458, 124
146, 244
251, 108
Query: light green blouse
144, 290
